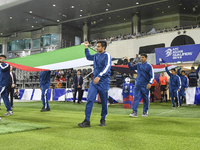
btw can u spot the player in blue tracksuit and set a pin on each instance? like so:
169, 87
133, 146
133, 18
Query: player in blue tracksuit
175, 86
100, 83
145, 77
4, 81
44, 85
184, 85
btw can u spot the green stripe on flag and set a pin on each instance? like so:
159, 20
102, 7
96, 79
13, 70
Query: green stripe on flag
57, 56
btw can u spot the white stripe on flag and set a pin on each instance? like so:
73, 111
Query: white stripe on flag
67, 64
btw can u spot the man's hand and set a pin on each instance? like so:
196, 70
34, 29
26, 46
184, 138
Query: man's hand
86, 43
13, 85
148, 86
96, 80
127, 59
185, 89
179, 90
165, 64
78, 86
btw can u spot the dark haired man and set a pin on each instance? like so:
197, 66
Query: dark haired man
175, 86
4, 81
193, 77
11, 86
100, 83
144, 80
78, 82
136, 59
184, 85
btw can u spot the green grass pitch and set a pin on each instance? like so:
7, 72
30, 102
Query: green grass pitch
164, 129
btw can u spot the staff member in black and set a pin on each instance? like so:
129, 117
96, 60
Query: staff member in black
11, 86
193, 77
78, 81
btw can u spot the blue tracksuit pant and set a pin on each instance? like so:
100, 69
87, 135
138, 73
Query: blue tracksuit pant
138, 91
92, 93
181, 93
174, 94
4, 95
44, 96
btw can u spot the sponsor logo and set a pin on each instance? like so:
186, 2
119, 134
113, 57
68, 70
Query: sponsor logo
176, 53
168, 52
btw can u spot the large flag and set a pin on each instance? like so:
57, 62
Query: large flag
65, 58
71, 57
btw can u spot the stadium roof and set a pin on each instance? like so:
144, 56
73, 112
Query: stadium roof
26, 15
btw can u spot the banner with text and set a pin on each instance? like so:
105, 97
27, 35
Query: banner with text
177, 53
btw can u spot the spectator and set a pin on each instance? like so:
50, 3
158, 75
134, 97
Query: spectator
61, 72
78, 82
197, 26
175, 86
163, 86
63, 81
56, 73
17, 94
68, 74
191, 26
11, 86
57, 83
181, 28
137, 59
119, 79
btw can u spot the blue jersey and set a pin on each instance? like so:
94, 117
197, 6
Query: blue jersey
45, 77
184, 80
175, 81
4, 74
145, 73
102, 66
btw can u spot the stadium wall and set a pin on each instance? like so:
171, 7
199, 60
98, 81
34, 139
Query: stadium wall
129, 48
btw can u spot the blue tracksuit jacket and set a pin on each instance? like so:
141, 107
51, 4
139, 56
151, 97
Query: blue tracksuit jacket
4, 74
145, 73
102, 66
184, 80
45, 77
175, 82
4, 81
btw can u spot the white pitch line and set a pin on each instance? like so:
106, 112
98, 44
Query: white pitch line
175, 109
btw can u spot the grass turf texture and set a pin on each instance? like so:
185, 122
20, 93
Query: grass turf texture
164, 128
14, 126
